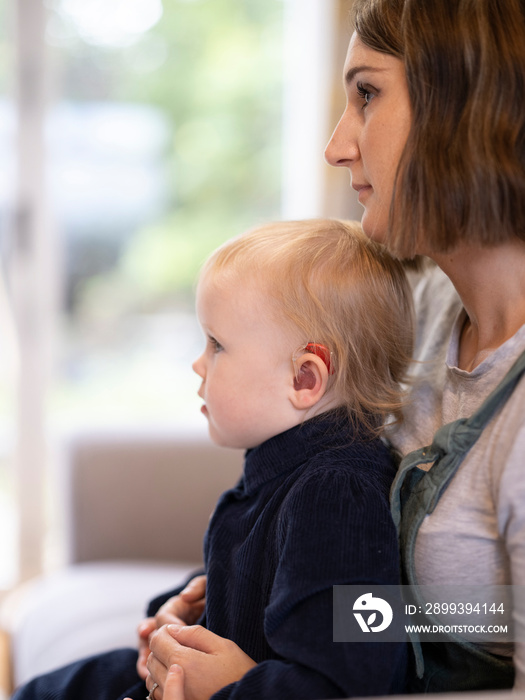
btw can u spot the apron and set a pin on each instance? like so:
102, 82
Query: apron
454, 665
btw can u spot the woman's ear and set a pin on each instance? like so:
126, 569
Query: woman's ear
310, 381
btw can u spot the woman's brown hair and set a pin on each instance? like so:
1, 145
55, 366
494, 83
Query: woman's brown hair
461, 178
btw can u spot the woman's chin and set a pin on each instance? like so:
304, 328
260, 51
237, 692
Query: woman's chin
372, 228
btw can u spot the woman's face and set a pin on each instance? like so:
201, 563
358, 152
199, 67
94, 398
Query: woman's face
373, 130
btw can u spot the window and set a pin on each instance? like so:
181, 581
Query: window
164, 141
149, 132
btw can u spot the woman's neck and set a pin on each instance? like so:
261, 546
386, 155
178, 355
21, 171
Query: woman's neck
491, 284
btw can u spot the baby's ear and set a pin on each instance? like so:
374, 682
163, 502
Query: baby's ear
310, 381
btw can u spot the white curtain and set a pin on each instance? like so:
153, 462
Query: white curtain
315, 42
32, 281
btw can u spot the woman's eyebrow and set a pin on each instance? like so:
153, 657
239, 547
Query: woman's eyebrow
352, 72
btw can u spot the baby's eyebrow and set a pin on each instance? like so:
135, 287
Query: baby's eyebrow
352, 72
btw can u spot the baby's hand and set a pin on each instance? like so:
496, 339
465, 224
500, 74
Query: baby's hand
144, 630
182, 609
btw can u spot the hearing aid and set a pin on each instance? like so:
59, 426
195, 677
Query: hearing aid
323, 352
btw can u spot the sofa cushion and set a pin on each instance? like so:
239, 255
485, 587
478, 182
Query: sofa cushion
81, 610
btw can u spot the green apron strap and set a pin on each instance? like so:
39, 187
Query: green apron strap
448, 449
416, 492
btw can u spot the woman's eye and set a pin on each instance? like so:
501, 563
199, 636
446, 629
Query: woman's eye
365, 94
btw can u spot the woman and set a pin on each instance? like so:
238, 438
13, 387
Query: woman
434, 137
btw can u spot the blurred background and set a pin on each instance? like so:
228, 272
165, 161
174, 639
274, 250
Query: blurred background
136, 136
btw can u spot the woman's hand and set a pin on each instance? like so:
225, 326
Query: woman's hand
182, 609
174, 688
210, 662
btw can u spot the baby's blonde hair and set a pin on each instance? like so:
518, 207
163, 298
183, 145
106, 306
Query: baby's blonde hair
337, 288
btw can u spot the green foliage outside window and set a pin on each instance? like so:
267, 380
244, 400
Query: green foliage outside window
213, 67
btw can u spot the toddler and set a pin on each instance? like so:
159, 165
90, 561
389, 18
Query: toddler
308, 331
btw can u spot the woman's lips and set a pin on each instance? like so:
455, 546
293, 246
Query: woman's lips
363, 191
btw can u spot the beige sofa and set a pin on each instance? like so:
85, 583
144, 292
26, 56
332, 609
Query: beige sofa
134, 511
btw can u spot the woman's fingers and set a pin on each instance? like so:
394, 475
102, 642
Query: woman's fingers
210, 662
196, 637
174, 688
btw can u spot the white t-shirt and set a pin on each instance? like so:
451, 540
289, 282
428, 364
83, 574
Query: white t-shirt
476, 534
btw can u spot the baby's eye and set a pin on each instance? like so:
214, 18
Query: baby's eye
216, 346
364, 94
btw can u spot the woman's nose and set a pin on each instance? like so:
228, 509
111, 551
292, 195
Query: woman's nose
342, 149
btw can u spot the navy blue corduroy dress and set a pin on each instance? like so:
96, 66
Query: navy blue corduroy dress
310, 511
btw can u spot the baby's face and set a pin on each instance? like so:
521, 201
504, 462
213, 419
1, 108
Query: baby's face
246, 367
